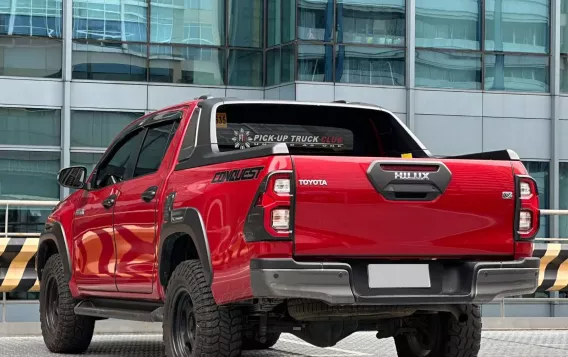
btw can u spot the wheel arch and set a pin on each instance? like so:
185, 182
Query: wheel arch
53, 241
184, 229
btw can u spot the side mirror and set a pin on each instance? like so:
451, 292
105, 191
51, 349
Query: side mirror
72, 177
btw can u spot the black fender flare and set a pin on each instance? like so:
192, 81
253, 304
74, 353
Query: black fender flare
188, 221
53, 233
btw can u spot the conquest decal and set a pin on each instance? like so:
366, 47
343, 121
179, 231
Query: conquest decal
249, 173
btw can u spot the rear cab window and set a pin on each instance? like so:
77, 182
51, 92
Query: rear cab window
314, 130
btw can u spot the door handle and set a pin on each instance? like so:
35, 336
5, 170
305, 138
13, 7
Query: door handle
109, 201
149, 194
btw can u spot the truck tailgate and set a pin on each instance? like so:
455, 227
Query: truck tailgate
371, 207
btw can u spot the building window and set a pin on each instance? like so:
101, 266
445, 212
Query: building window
34, 46
96, 130
491, 45
280, 65
370, 65
27, 126
245, 68
246, 23
281, 22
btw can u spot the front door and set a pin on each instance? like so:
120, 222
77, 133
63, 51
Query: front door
94, 240
93, 232
135, 213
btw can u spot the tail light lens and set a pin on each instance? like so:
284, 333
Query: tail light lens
527, 208
270, 216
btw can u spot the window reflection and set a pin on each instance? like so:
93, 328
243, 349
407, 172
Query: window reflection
109, 61
91, 129
173, 64
315, 63
31, 18
30, 57
281, 22
563, 27
245, 68
120, 20
378, 22
438, 69
368, 65
29, 175
517, 73
448, 24
315, 20
280, 65
540, 171
86, 159
187, 21
245, 23
517, 25
27, 126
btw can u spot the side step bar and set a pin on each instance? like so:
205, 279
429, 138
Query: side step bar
115, 309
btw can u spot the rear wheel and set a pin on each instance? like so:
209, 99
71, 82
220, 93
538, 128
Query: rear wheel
194, 325
442, 335
62, 330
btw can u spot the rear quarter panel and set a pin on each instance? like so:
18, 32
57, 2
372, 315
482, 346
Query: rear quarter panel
224, 208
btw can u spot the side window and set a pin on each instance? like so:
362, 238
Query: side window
115, 166
154, 148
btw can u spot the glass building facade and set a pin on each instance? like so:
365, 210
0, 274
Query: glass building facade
465, 75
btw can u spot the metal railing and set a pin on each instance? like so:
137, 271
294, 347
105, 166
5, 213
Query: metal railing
21, 203
553, 212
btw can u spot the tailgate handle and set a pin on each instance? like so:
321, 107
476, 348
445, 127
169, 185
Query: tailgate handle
409, 180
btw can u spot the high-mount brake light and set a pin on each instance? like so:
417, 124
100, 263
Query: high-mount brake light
528, 220
269, 217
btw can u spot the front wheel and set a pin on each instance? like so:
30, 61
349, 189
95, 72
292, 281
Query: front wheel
442, 335
194, 325
62, 330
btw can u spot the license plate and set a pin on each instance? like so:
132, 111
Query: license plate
399, 276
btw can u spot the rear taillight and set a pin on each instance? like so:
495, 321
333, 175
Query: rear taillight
527, 207
269, 217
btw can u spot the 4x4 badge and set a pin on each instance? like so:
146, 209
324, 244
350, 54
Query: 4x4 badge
507, 195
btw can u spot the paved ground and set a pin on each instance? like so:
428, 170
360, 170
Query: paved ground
495, 344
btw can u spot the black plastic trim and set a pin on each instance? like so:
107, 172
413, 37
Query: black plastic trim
188, 221
254, 230
453, 282
145, 311
53, 232
505, 155
409, 189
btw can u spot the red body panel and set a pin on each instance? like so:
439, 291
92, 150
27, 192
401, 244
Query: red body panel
224, 208
135, 235
348, 217
94, 258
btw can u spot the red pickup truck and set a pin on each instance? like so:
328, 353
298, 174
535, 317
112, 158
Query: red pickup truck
233, 221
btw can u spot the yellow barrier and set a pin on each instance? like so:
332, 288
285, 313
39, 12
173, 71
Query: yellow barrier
17, 264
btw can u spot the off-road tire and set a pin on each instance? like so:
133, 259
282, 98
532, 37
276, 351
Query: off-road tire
254, 344
455, 339
218, 329
68, 333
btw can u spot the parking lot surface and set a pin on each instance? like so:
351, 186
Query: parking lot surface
495, 343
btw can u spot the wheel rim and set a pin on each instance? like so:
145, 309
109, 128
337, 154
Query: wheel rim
52, 304
185, 328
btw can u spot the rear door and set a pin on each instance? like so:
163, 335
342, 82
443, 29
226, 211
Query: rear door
135, 220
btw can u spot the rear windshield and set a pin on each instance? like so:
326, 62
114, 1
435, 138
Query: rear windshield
313, 130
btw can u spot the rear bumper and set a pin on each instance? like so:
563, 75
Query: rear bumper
347, 283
